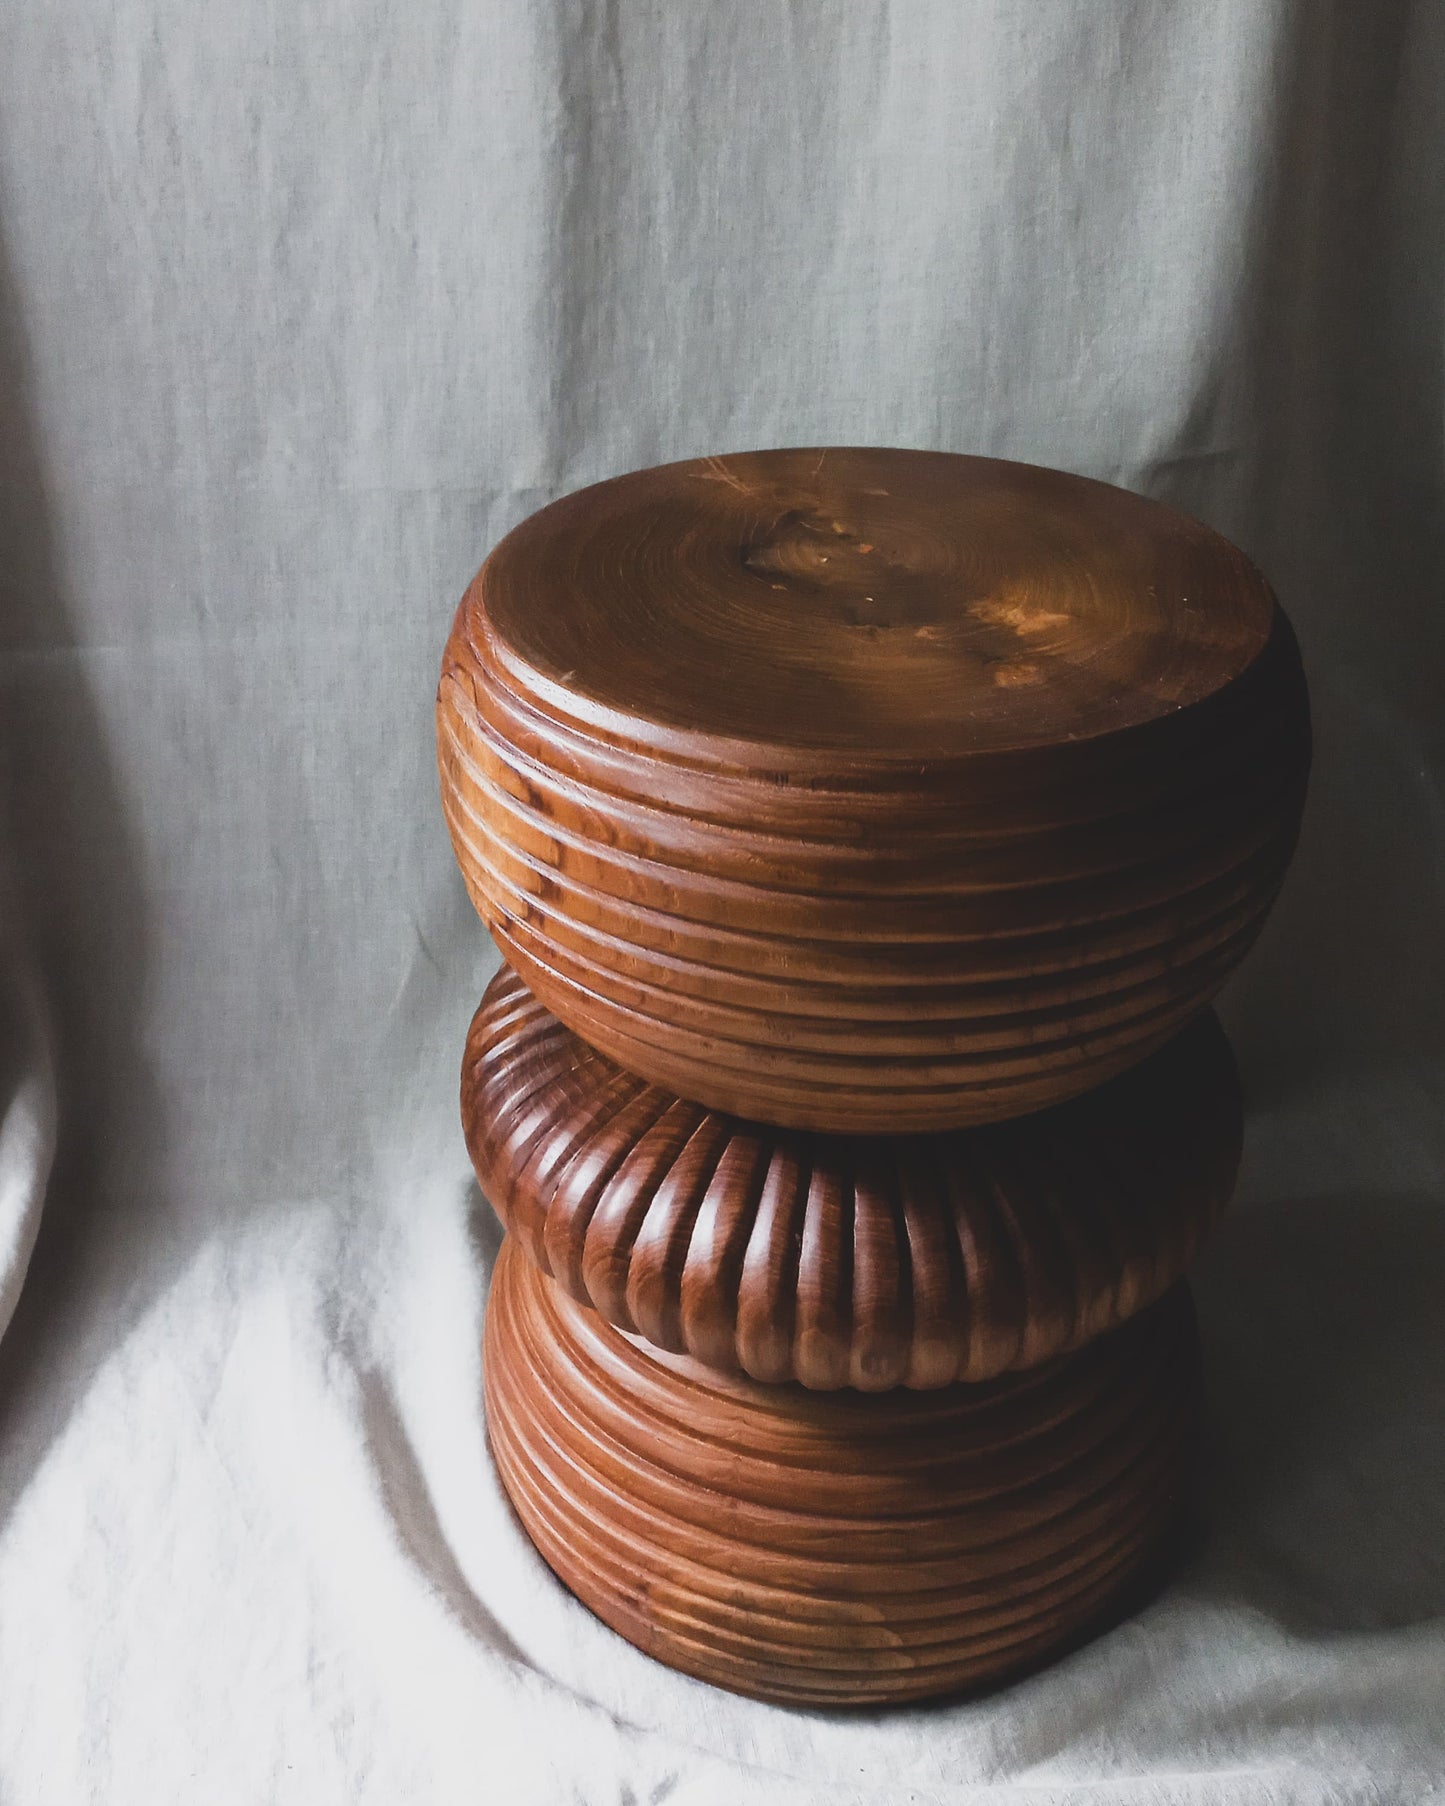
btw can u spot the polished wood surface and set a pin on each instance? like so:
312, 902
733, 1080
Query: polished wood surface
846, 1261
838, 1549
885, 603
866, 833
871, 790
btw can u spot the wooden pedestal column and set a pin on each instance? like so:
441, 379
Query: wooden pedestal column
866, 833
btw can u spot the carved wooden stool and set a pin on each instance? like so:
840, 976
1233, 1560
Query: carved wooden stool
866, 833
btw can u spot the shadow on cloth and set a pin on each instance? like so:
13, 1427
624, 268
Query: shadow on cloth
1323, 1332
1324, 1347
75, 872
1344, 506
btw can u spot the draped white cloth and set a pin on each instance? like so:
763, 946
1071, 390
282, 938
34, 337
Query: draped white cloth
300, 307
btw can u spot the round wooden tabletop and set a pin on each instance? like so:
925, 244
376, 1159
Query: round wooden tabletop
894, 604
871, 790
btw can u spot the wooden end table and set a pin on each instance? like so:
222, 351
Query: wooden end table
866, 833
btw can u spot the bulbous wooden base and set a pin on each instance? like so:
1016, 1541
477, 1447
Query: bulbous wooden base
839, 1548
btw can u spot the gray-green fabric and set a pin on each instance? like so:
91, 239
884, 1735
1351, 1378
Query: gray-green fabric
301, 306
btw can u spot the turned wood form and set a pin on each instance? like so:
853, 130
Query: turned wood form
863, 1261
824, 1550
865, 833
871, 790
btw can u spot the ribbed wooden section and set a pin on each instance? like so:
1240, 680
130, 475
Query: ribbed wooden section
871, 791
839, 1549
839, 1260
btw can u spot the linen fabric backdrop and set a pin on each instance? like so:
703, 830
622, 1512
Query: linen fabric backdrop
302, 306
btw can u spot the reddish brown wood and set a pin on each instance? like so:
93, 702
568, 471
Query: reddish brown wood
847, 816
871, 790
869, 1262
840, 1549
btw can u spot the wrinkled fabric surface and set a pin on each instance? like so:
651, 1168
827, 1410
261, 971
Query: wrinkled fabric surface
300, 308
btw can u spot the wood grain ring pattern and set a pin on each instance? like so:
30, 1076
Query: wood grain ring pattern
733, 781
